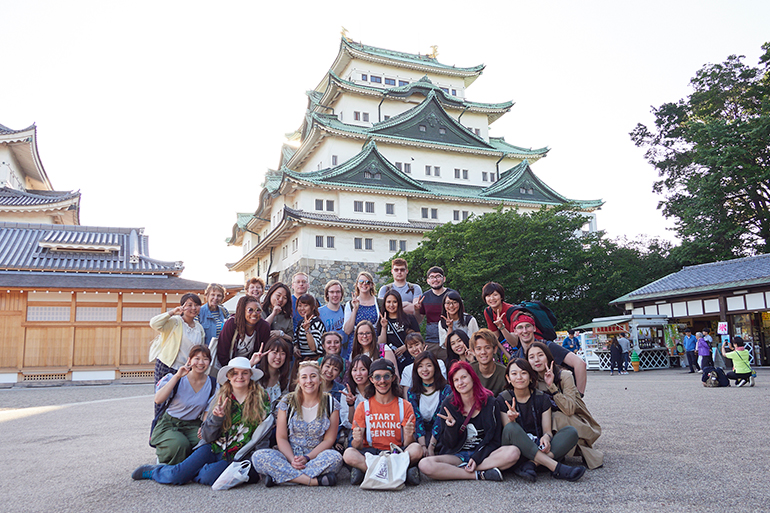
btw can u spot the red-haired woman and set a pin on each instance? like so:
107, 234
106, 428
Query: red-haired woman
469, 444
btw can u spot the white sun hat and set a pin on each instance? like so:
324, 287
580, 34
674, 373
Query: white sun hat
239, 362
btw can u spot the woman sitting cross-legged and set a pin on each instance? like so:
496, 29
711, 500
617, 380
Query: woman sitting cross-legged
570, 409
241, 406
187, 392
469, 443
306, 428
526, 417
427, 394
383, 418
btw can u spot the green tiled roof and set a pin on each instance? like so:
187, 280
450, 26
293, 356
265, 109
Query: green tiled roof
243, 219
500, 144
404, 57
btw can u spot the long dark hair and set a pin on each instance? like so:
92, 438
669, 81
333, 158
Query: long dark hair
357, 349
395, 387
349, 375
418, 387
451, 355
454, 296
240, 315
549, 357
277, 344
480, 394
400, 314
309, 300
524, 365
267, 308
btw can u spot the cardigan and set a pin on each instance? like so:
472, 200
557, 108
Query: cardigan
165, 347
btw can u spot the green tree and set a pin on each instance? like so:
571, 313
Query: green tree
540, 255
712, 153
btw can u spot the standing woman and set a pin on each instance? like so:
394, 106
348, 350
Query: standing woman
704, 351
393, 327
307, 336
616, 354
213, 315
526, 417
363, 306
277, 311
179, 332
459, 348
364, 343
570, 410
255, 287
427, 394
275, 363
454, 318
244, 333
306, 428
499, 317
240, 407
470, 433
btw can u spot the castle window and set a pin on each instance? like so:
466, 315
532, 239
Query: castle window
454, 92
393, 245
390, 81
434, 213
370, 207
330, 205
368, 244
407, 167
457, 173
423, 128
478, 131
329, 241
402, 245
445, 89
358, 243
465, 215
436, 171
456, 215
390, 208
465, 174
364, 77
375, 80
483, 176
358, 206
319, 204
424, 213
442, 130
319, 241
334, 160
356, 116
427, 170
366, 116
399, 166
403, 83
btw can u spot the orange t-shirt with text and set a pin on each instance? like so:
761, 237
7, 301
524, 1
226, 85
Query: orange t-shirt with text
384, 422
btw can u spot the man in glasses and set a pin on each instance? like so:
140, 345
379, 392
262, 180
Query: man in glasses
430, 305
381, 419
408, 291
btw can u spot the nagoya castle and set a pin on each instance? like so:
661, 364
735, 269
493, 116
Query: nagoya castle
390, 148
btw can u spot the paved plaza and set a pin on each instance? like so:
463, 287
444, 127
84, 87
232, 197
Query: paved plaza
670, 445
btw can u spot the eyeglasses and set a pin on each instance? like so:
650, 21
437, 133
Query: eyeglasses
382, 377
365, 334
435, 276
364, 281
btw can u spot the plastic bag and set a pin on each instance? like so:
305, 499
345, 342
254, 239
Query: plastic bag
235, 473
386, 471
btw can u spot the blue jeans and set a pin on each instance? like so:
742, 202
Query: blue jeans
202, 466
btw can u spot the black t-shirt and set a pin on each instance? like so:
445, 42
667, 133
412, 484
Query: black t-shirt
400, 330
474, 432
530, 413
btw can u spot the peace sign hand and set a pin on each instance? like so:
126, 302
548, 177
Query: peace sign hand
351, 399
409, 427
512, 413
499, 321
256, 357
449, 324
219, 411
449, 420
185, 369
383, 321
548, 376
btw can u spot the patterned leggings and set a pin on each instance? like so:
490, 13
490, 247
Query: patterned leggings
275, 464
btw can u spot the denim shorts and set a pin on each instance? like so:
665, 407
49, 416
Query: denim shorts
465, 456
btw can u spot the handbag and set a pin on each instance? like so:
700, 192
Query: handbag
236, 473
387, 470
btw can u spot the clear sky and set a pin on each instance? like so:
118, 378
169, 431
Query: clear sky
166, 114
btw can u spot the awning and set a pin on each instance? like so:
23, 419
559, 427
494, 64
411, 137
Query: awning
602, 324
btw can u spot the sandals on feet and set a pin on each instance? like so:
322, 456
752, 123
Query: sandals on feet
329, 479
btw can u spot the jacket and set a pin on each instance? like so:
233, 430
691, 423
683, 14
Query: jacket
205, 317
452, 440
166, 346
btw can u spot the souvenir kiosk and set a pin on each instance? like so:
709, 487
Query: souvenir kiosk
648, 336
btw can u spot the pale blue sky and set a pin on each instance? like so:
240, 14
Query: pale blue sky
166, 114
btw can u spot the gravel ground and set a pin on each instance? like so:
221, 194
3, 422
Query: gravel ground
670, 445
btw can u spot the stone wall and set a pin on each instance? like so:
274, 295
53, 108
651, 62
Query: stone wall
321, 271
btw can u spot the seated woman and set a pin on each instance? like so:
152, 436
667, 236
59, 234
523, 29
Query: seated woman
331, 368
364, 343
454, 318
355, 386
274, 360
241, 405
187, 394
243, 333
383, 401
307, 336
428, 391
277, 310
394, 326
459, 348
416, 345
306, 428
526, 417
469, 446
570, 410
179, 332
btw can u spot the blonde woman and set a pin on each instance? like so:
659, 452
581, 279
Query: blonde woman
306, 429
363, 306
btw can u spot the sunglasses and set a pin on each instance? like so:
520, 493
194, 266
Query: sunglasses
362, 282
382, 377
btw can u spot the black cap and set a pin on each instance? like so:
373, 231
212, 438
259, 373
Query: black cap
382, 364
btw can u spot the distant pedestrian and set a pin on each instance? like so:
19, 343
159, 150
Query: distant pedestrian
571, 343
704, 351
689, 343
625, 348
741, 358
616, 354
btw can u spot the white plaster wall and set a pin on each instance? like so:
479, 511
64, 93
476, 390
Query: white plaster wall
345, 149
10, 170
356, 67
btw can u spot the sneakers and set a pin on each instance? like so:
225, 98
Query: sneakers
357, 476
413, 476
526, 471
624, 372
751, 381
493, 474
612, 373
143, 472
568, 473
742, 382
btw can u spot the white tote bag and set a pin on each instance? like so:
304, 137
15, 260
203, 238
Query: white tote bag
387, 470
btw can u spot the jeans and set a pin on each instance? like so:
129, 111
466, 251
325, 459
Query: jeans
202, 466
692, 360
626, 361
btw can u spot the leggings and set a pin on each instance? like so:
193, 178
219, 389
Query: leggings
563, 441
737, 377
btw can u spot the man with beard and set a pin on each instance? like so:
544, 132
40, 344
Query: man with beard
430, 305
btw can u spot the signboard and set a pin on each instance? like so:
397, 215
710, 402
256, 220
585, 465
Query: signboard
615, 328
722, 328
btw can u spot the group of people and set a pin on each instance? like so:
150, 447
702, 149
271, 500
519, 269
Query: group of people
346, 379
698, 349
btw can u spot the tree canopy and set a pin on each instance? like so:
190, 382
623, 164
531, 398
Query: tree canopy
712, 153
540, 255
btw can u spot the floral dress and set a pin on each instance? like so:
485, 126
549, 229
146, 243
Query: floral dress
304, 437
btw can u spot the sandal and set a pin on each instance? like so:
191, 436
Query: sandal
329, 479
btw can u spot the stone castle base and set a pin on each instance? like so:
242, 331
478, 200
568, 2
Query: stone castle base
321, 271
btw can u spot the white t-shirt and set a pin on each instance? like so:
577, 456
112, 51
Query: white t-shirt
429, 405
191, 336
406, 377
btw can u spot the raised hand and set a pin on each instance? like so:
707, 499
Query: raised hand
358, 433
349, 396
256, 357
449, 324
219, 411
548, 376
418, 302
383, 321
354, 303
499, 321
177, 311
512, 413
409, 427
277, 309
185, 369
449, 420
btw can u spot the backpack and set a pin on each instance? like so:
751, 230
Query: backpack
545, 319
164, 406
714, 377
